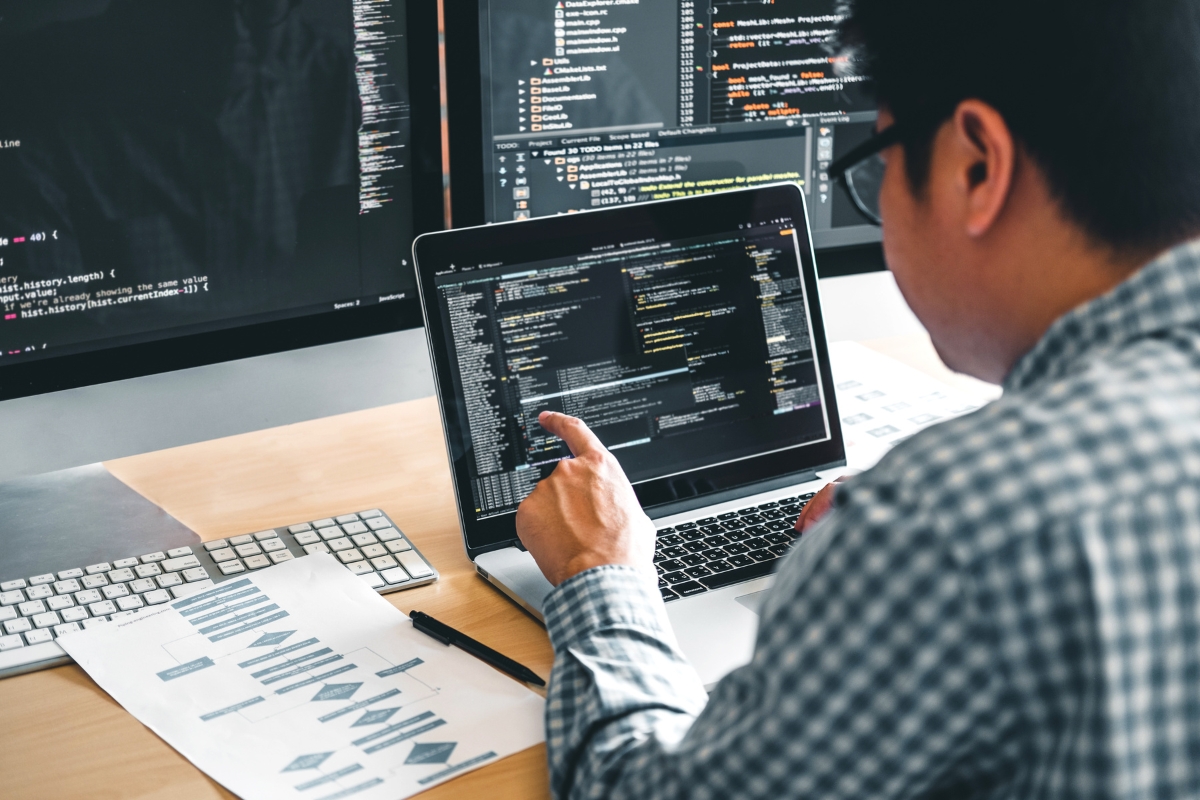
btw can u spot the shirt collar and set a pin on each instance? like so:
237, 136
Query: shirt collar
1163, 294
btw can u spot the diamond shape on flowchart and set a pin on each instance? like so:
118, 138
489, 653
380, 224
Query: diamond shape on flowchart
268, 639
336, 691
431, 753
310, 761
375, 717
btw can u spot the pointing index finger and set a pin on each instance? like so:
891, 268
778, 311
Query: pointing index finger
572, 430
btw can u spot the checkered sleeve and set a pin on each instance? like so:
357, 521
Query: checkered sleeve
872, 676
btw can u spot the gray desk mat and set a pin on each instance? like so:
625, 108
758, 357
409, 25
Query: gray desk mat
76, 517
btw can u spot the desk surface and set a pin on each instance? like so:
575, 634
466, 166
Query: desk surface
64, 737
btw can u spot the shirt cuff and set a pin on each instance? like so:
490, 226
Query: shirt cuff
603, 598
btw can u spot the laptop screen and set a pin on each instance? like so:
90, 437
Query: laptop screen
689, 348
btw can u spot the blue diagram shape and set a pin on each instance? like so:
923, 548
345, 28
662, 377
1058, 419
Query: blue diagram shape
336, 691
268, 639
375, 717
310, 761
431, 753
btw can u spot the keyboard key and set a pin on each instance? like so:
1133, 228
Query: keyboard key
363, 539
719, 566
67, 586
88, 624
262, 536
670, 539
668, 595
224, 554
272, 545
308, 537
322, 523
674, 552
340, 543
672, 564
215, 545
125, 563
67, 574
115, 590
331, 533
47, 620
179, 552
393, 576
151, 558
756, 543
120, 575
195, 574
706, 521
251, 549
740, 575
370, 514
143, 585
695, 547
303, 526
350, 555
11, 643
169, 580
715, 553
346, 518
741, 561
11, 597
712, 529
387, 534
87, 597
39, 637
766, 506
685, 526
378, 523
692, 535
28, 609
374, 551
147, 570
59, 603
414, 564
688, 589
733, 548
716, 541
359, 567
318, 547
231, 567
280, 556
244, 539
93, 581
675, 577
727, 516
18, 625
130, 603
7, 613
762, 555
254, 562
103, 608
399, 546
383, 562
693, 559
38, 580
177, 564
780, 549
75, 614
39, 592
121, 614
9, 586
189, 589
780, 525
157, 596
778, 538
65, 628
354, 527
698, 572
372, 579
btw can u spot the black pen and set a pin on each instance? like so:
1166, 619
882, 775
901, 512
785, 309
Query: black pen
448, 636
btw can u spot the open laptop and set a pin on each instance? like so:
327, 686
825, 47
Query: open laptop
687, 333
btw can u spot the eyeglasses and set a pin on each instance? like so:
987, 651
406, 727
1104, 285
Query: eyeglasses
861, 172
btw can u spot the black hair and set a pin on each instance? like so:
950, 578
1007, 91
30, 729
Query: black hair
1104, 95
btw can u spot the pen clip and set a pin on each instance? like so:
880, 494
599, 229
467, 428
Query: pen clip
419, 622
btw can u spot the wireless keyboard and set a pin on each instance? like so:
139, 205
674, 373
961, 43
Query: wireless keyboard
34, 611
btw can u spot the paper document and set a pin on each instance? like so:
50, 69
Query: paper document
300, 682
882, 401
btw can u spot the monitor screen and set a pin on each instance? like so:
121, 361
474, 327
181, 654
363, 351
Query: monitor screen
192, 166
594, 103
684, 351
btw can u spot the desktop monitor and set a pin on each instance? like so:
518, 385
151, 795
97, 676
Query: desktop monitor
565, 105
193, 181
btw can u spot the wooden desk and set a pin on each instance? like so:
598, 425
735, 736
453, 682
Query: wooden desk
62, 737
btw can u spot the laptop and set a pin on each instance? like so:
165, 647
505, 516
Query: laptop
687, 333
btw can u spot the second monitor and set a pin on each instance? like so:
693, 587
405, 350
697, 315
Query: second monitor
584, 104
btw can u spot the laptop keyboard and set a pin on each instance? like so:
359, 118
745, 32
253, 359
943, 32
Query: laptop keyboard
38, 609
734, 547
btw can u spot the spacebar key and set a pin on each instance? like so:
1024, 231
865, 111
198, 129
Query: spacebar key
739, 575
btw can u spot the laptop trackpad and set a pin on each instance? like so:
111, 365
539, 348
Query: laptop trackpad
752, 600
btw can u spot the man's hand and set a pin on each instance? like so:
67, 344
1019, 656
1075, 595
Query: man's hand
585, 514
818, 507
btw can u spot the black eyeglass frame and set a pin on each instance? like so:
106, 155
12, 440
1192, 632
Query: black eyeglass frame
840, 170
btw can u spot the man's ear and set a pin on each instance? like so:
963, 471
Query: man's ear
984, 158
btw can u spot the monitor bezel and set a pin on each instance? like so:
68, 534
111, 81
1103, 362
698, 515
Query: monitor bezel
464, 114
74, 370
678, 219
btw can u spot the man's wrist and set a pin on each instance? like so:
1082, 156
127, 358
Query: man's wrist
601, 597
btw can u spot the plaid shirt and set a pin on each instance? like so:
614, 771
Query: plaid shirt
1008, 605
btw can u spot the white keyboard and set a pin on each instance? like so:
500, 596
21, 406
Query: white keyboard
34, 611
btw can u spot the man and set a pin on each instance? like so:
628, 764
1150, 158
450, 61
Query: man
1008, 605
